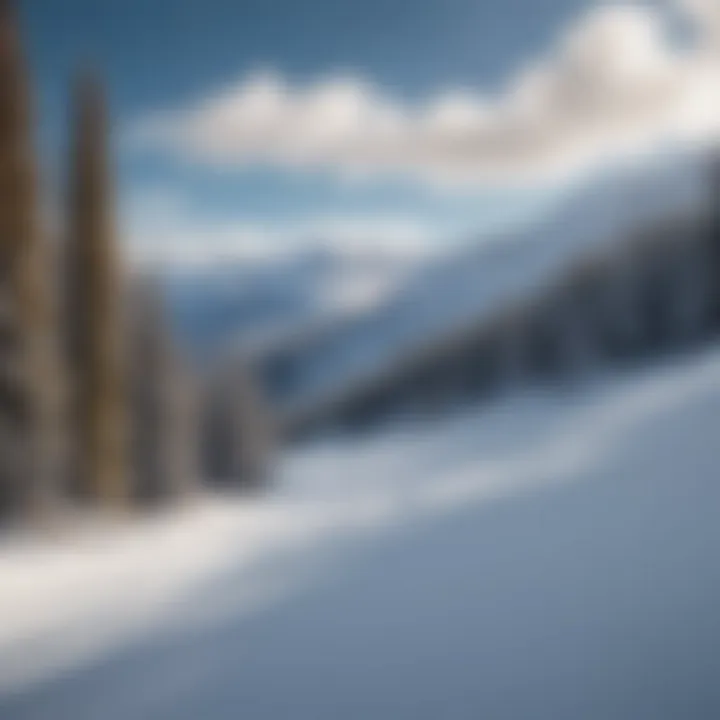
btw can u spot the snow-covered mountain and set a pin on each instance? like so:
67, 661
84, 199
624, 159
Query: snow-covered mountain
444, 295
255, 305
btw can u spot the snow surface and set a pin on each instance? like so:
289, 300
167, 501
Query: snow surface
551, 556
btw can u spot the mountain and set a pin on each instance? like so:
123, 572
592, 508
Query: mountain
457, 290
258, 305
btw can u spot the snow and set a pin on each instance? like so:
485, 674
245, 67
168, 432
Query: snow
553, 555
466, 286
255, 307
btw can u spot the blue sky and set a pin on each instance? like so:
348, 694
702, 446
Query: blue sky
171, 54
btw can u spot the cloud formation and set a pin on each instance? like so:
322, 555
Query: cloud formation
164, 229
617, 81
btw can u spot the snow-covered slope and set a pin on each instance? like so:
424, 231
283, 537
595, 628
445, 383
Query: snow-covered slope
552, 556
463, 287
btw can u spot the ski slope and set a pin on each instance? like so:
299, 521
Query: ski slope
551, 556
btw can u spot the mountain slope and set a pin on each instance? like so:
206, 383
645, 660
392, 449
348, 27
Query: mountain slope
552, 556
465, 287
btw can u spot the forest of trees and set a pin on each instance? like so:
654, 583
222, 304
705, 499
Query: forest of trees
98, 407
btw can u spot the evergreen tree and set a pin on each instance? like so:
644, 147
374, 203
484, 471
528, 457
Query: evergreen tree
164, 427
29, 430
94, 307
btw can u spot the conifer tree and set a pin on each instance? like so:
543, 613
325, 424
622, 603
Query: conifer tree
164, 421
94, 310
28, 376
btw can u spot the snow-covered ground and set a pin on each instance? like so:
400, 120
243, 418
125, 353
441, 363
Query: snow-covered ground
551, 556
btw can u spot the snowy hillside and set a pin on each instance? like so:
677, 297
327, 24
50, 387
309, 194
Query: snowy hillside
461, 288
550, 556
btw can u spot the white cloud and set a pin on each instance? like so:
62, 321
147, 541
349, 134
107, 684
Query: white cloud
706, 14
163, 228
614, 83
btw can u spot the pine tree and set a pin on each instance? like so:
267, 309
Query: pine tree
94, 310
164, 422
28, 377
238, 429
